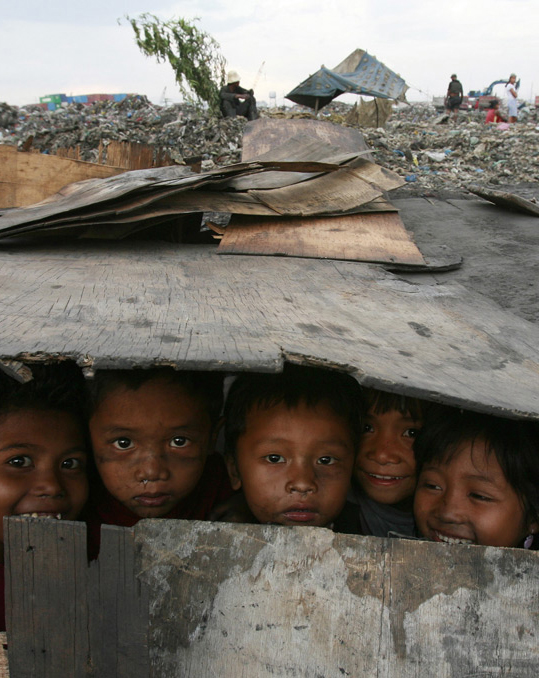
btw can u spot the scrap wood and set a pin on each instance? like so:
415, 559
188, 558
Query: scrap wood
28, 178
509, 201
379, 238
133, 187
266, 134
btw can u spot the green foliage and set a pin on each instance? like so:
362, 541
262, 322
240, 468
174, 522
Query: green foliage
194, 55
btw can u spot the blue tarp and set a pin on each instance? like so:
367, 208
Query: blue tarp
359, 73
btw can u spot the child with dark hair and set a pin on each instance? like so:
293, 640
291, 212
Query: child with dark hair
290, 443
43, 448
152, 432
384, 473
478, 480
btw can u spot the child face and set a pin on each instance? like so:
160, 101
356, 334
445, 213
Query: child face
42, 465
385, 465
294, 465
150, 445
469, 501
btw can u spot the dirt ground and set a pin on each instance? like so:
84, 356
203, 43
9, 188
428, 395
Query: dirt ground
500, 249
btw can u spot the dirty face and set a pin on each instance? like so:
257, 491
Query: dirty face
42, 465
385, 465
150, 445
294, 465
469, 501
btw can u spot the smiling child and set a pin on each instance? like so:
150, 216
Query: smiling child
152, 432
384, 473
43, 448
478, 480
290, 443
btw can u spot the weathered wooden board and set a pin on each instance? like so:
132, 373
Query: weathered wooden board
138, 184
265, 134
180, 598
509, 201
358, 237
28, 178
120, 305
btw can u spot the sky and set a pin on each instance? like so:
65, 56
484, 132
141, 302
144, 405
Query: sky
88, 47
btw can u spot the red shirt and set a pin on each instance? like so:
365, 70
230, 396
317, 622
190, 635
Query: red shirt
493, 116
212, 488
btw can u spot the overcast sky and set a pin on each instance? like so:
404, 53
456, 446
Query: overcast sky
76, 47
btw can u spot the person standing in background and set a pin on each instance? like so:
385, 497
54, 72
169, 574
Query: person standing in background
454, 96
511, 93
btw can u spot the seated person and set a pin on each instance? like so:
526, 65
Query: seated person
384, 477
478, 480
290, 443
236, 100
43, 449
152, 432
493, 113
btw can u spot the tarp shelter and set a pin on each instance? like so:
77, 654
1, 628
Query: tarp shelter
359, 73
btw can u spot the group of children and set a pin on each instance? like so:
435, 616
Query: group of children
306, 447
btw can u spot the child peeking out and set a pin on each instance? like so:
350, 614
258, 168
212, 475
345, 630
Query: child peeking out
152, 434
384, 473
478, 480
43, 448
290, 443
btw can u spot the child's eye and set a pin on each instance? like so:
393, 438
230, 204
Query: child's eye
179, 441
430, 486
274, 458
411, 432
123, 443
21, 461
480, 497
72, 464
326, 461
368, 428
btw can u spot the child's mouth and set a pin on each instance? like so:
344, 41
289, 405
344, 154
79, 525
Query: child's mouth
157, 499
378, 479
300, 515
446, 539
43, 514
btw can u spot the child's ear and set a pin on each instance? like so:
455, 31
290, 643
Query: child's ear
233, 474
533, 527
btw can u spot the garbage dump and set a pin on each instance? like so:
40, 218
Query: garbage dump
419, 144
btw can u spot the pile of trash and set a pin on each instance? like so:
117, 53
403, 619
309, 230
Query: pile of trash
433, 152
182, 131
429, 150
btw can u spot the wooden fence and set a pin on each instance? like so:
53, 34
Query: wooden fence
193, 599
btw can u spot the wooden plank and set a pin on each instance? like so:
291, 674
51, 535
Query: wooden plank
46, 570
239, 601
119, 305
174, 598
28, 178
506, 200
136, 186
358, 237
265, 134
118, 622
342, 191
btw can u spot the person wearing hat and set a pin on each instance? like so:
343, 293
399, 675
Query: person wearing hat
236, 100
511, 93
454, 96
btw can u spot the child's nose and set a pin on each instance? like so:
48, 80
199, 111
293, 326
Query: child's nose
381, 449
449, 507
302, 479
151, 467
47, 484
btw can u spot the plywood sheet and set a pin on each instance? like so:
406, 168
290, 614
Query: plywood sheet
28, 178
121, 305
358, 237
265, 134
